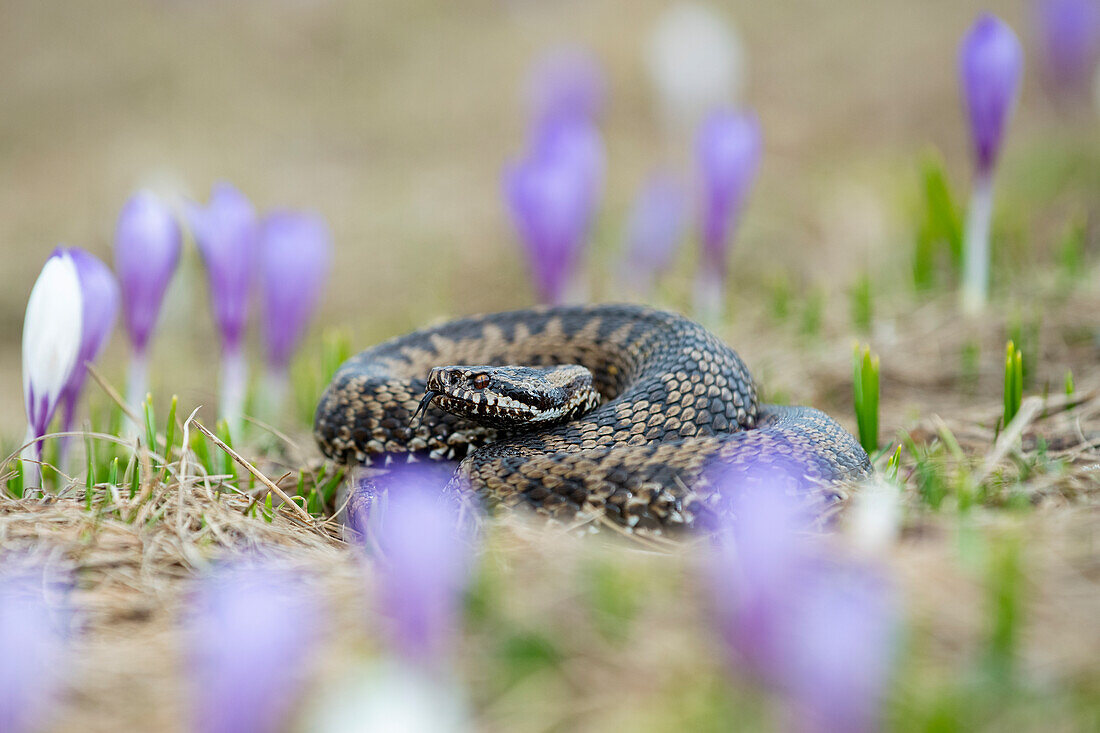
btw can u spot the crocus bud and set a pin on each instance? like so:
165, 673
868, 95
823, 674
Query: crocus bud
728, 150
990, 65
294, 258
52, 330
147, 253
295, 255
566, 85
552, 195
1069, 36
427, 549
34, 633
653, 231
225, 232
99, 295
250, 638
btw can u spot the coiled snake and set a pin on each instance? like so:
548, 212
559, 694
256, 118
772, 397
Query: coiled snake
634, 442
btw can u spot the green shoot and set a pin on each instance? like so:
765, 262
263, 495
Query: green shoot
1071, 253
865, 391
893, 465
227, 467
940, 225
1069, 383
170, 434
150, 424
1014, 382
112, 476
812, 313
780, 296
862, 303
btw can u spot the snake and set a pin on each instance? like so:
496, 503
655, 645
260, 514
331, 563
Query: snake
633, 415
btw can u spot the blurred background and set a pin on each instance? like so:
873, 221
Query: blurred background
394, 120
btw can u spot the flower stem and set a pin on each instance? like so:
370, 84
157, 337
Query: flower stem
137, 387
232, 386
975, 290
709, 296
32, 470
276, 386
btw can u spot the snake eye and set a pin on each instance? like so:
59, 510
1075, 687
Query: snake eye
481, 381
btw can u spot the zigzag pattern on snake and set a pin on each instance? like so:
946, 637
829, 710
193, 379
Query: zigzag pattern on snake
675, 401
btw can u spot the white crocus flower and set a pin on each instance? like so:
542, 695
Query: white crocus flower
697, 64
394, 697
52, 331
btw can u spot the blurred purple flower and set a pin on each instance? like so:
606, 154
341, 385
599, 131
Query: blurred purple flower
147, 252
654, 230
225, 232
34, 626
552, 195
1069, 33
51, 346
818, 631
427, 551
99, 294
729, 147
566, 85
990, 65
295, 255
253, 627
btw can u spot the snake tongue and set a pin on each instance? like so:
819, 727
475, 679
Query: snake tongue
429, 395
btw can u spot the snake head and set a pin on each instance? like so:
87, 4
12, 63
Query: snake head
511, 396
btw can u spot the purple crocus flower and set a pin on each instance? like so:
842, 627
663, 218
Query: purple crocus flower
728, 149
566, 85
34, 623
819, 631
52, 330
426, 546
226, 234
1069, 36
295, 255
990, 65
653, 231
99, 295
147, 253
254, 625
552, 195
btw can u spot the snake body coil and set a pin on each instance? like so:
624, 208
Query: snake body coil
675, 400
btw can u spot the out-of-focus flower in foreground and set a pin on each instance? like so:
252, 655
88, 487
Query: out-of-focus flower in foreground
392, 696
99, 296
696, 63
990, 65
225, 232
294, 258
253, 627
653, 231
817, 630
728, 149
147, 253
52, 330
426, 553
1069, 37
566, 85
552, 195
34, 631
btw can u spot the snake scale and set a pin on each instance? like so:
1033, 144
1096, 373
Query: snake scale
673, 402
